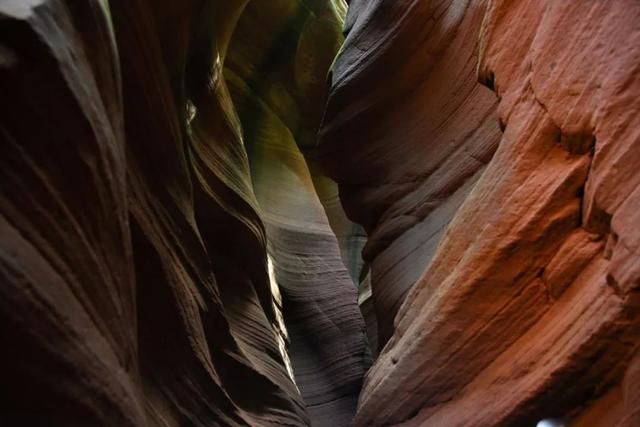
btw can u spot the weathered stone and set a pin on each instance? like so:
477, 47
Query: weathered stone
179, 246
521, 312
135, 279
407, 133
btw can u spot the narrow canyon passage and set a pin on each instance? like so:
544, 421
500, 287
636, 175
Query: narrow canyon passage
320, 212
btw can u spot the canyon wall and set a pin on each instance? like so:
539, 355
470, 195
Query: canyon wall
406, 134
503, 228
136, 286
279, 89
197, 195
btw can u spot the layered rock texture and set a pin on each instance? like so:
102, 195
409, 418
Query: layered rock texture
504, 265
279, 89
405, 102
216, 212
135, 276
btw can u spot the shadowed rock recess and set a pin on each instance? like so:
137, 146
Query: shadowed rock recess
319, 212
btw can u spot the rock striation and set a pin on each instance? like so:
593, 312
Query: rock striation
135, 280
525, 307
279, 89
420, 123
218, 212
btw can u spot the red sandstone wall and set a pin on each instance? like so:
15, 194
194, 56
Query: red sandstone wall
526, 304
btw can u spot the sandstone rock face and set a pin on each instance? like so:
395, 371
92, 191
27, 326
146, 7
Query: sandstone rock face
67, 305
199, 244
135, 280
526, 305
407, 133
196, 195
279, 89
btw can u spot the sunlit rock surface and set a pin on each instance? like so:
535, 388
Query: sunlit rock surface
279, 89
525, 306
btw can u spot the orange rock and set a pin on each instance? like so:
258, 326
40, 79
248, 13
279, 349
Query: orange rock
520, 313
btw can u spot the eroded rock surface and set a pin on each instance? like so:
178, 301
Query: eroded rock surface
135, 280
173, 250
526, 306
407, 133
279, 89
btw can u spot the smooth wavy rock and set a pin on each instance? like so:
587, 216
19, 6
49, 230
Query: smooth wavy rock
184, 204
199, 245
406, 134
135, 281
528, 306
279, 89
67, 304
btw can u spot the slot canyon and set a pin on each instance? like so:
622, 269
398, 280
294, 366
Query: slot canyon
320, 213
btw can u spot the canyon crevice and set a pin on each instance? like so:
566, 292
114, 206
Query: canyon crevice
319, 212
